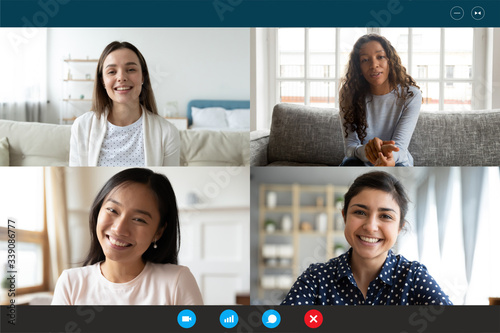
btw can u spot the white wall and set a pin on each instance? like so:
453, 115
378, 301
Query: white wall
184, 64
217, 188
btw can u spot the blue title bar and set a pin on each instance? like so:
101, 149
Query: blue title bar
249, 13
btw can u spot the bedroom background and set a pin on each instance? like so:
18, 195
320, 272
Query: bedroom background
184, 64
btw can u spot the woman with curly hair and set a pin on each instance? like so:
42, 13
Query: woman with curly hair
379, 105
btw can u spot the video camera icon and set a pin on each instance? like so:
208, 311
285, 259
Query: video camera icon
186, 319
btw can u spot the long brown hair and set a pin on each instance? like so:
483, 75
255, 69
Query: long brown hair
100, 98
354, 87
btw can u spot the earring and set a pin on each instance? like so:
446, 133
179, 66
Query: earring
154, 245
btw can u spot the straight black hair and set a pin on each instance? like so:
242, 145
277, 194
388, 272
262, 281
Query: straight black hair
169, 242
379, 180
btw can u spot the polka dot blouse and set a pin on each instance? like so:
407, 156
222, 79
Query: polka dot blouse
123, 145
400, 282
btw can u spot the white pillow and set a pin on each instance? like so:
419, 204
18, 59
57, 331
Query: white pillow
238, 118
4, 152
209, 117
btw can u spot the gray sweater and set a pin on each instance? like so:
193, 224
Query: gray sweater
388, 118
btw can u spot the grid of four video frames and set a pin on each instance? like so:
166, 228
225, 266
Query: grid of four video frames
252, 179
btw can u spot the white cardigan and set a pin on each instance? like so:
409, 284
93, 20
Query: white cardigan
161, 140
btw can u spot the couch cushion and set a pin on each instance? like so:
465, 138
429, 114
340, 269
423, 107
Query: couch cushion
258, 147
286, 163
305, 134
36, 144
457, 139
214, 148
4, 151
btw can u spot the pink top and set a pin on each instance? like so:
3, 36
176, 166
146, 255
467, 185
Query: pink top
157, 284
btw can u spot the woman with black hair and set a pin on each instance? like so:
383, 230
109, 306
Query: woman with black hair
135, 238
369, 273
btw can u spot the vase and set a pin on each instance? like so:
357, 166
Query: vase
286, 223
321, 222
272, 199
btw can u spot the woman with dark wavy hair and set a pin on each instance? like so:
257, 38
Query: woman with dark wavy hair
132, 260
379, 105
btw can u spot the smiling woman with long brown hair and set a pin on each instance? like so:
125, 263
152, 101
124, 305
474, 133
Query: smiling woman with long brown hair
123, 128
379, 105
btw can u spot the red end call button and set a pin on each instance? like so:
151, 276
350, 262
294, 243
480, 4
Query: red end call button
313, 319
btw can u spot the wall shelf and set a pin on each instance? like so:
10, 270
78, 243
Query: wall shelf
78, 80
81, 60
303, 204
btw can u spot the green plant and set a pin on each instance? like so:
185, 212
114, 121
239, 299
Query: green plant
269, 222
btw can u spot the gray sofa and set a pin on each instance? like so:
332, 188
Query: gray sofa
307, 136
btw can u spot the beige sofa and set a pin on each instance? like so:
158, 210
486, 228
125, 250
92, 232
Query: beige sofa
37, 144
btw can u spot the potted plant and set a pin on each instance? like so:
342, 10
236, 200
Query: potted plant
339, 203
270, 226
338, 249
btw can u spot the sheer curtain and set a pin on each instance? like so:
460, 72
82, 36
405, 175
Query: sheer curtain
57, 221
23, 88
457, 226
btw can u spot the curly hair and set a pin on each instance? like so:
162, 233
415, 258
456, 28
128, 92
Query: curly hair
354, 87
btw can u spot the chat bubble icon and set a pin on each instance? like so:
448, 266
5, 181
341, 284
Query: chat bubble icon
271, 319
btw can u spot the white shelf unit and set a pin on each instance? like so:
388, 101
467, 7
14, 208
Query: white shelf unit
78, 83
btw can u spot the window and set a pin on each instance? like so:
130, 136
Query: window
307, 61
23, 189
311, 62
422, 70
449, 74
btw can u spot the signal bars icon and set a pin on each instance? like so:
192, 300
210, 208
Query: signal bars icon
229, 320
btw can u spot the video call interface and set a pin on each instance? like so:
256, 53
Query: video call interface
249, 166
